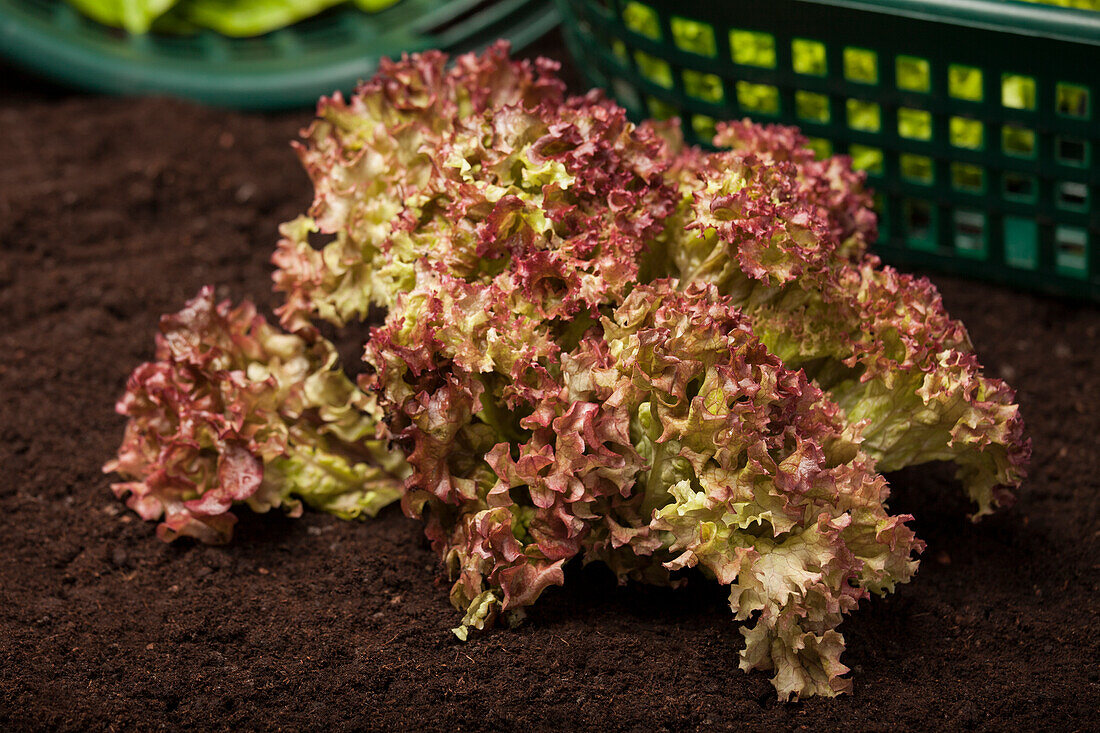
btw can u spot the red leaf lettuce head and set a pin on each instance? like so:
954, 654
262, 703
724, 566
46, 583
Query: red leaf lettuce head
234, 411
597, 344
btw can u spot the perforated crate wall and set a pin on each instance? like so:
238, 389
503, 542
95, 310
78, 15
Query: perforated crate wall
975, 120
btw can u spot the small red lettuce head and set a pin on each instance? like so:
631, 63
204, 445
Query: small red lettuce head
234, 411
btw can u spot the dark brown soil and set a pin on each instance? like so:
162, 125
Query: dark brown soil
113, 212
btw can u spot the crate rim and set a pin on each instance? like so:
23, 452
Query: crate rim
1045, 21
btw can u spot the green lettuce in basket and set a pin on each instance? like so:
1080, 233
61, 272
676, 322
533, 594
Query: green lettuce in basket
238, 18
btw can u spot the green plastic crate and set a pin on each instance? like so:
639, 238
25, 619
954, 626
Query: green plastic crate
978, 121
288, 68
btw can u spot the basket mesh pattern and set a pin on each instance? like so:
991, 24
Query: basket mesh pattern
980, 141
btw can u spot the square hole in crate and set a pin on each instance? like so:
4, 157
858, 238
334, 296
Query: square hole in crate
917, 168
654, 69
822, 148
914, 124
920, 224
1019, 142
966, 133
1019, 187
964, 82
860, 65
867, 158
660, 109
863, 115
967, 177
1072, 100
1072, 195
693, 36
808, 57
759, 98
811, 106
704, 126
700, 85
913, 74
1070, 151
970, 233
642, 19
1017, 91
1071, 255
1021, 242
627, 94
619, 49
752, 48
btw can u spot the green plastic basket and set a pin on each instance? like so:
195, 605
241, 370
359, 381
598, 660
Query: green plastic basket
288, 68
976, 120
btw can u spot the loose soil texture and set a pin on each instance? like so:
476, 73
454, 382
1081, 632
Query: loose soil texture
113, 212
